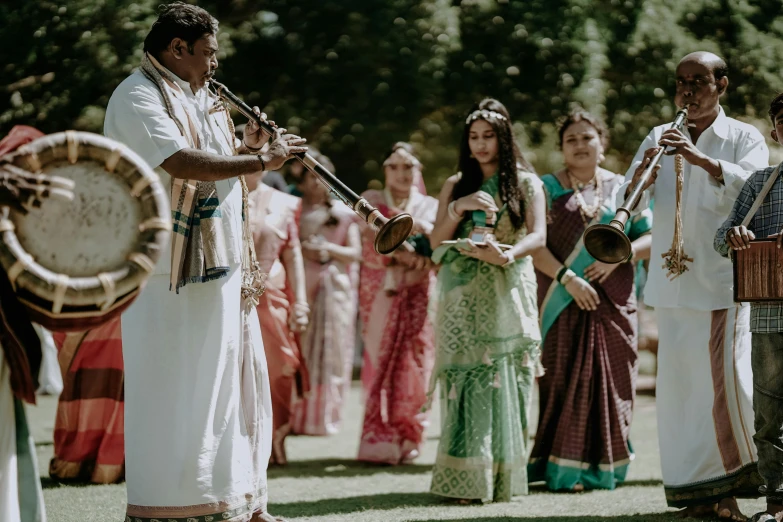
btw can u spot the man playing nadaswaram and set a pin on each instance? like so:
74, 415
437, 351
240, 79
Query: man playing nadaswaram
704, 384
198, 426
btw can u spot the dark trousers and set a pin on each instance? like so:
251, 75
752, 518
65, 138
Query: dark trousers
767, 362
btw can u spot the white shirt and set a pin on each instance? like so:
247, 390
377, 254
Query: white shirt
137, 117
707, 285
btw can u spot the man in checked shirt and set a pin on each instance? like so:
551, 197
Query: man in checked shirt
766, 324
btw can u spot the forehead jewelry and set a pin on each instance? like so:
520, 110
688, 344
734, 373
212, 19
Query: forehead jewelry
484, 114
409, 159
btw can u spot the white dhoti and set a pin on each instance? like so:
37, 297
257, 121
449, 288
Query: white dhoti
198, 414
704, 396
50, 377
21, 498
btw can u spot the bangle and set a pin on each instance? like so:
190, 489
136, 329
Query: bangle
510, 259
251, 149
560, 273
568, 276
263, 165
452, 211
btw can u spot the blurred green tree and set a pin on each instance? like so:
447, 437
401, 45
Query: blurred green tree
354, 76
62, 59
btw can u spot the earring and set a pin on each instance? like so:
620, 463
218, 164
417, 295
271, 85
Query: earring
471, 155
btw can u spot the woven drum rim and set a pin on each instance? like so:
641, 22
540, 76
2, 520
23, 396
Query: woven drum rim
125, 280
84, 314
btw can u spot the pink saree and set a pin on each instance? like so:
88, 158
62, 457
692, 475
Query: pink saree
274, 218
398, 341
328, 344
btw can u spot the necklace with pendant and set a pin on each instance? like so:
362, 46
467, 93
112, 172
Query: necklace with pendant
588, 212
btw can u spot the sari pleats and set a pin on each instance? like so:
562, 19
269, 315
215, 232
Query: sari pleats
89, 442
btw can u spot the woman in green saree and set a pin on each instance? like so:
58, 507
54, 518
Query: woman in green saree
486, 323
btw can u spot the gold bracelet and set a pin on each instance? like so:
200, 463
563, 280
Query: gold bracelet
452, 211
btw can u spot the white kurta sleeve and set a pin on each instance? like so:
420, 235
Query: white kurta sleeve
138, 118
644, 202
752, 155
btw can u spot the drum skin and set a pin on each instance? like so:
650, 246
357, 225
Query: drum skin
757, 272
77, 264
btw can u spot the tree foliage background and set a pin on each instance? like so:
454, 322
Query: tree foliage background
354, 76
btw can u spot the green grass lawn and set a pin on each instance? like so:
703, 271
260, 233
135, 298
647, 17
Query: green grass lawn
323, 482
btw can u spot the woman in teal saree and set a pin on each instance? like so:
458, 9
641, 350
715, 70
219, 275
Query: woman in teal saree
486, 322
588, 323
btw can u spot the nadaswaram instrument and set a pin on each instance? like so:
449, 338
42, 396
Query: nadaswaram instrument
390, 233
77, 264
608, 243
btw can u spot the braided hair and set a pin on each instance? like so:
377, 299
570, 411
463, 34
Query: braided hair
510, 160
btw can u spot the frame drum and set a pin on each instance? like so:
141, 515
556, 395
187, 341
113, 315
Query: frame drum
77, 264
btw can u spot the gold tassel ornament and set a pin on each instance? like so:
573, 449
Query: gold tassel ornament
674, 261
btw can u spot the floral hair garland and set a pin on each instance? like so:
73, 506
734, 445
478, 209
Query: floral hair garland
484, 114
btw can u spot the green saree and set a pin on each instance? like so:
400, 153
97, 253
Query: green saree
487, 339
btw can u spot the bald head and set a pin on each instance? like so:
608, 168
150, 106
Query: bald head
713, 62
702, 78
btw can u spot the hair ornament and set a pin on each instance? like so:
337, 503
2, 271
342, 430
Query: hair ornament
408, 159
484, 114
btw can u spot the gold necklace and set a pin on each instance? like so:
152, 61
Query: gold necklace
588, 212
392, 202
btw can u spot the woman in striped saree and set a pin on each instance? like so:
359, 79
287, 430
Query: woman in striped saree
89, 433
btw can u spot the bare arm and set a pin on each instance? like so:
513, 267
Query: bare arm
545, 261
641, 247
445, 226
535, 219
200, 165
352, 252
294, 269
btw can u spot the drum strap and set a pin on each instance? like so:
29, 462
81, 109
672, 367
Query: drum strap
762, 196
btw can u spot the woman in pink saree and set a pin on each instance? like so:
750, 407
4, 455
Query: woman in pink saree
331, 246
282, 309
396, 330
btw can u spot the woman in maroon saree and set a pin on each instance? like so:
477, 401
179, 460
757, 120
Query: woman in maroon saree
588, 322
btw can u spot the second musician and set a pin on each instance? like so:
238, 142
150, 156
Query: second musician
704, 385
